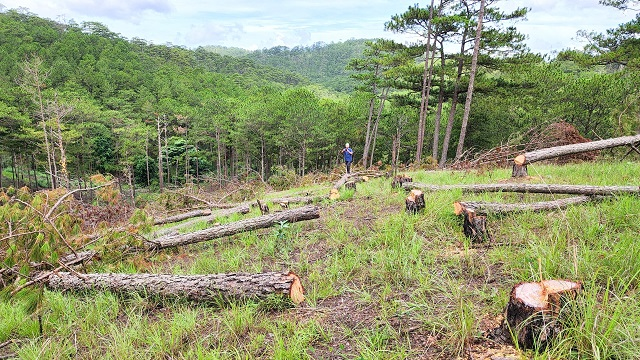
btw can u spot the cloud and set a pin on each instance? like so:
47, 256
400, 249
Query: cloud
117, 9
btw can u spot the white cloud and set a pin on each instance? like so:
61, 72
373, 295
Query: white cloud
551, 24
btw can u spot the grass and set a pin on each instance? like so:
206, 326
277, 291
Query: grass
379, 283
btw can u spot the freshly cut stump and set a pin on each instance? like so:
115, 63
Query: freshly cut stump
535, 310
415, 201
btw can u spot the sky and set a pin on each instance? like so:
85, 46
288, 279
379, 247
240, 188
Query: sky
551, 25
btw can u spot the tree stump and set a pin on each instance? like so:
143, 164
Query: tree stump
415, 201
350, 185
264, 208
474, 226
398, 180
519, 168
334, 194
536, 311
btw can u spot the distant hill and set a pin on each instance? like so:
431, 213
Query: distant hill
321, 63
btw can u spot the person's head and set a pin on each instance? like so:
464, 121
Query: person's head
346, 145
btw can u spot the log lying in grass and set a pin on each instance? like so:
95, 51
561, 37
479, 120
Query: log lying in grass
184, 216
521, 161
534, 313
201, 288
80, 257
240, 209
531, 188
459, 207
308, 212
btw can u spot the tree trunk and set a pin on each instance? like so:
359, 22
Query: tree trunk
454, 104
160, 169
521, 161
535, 311
472, 77
460, 207
531, 188
426, 82
438, 117
299, 214
199, 288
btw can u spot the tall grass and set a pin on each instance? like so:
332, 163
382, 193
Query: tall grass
379, 283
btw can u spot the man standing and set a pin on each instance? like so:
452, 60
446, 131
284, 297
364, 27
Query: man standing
347, 152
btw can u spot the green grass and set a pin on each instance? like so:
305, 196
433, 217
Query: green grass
379, 283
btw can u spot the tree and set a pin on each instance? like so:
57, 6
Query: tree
472, 77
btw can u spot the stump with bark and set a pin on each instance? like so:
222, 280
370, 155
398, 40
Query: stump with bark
350, 185
415, 201
474, 225
200, 288
264, 208
536, 311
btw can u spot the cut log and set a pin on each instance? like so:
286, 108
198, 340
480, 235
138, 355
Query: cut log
520, 162
399, 180
534, 313
293, 215
531, 188
342, 181
240, 209
200, 288
184, 216
479, 207
415, 201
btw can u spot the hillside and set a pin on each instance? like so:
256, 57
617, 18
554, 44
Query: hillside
321, 63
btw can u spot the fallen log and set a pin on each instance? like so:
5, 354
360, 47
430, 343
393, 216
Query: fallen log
240, 209
200, 288
183, 216
293, 215
535, 312
479, 207
531, 188
521, 161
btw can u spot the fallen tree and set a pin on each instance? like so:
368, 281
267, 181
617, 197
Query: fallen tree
240, 209
531, 188
308, 212
521, 161
461, 207
183, 216
201, 288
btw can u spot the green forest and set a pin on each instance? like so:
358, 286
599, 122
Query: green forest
78, 99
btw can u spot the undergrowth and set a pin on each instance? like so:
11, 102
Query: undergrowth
379, 283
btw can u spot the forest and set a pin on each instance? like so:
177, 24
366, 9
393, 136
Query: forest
78, 99
158, 201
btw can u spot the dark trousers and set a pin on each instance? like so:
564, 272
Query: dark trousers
348, 163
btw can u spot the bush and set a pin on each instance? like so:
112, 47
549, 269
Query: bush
282, 178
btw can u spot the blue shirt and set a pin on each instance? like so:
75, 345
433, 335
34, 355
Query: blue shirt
348, 155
